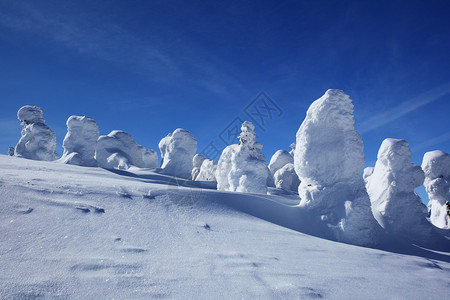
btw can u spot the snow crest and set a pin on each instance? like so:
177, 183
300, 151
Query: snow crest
119, 150
242, 168
328, 160
436, 165
177, 153
38, 141
80, 141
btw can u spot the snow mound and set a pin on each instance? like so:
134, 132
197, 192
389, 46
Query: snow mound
38, 141
80, 141
242, 168
395, 205
286, 179
177, 153
207, 171
119, 150
197, 163
328, 160
436, 165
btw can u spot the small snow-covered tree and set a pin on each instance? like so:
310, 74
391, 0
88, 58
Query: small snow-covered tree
197, 163
242, 168
328, 159
38, 141
395, 205
80, 141
119, 150
285, 178
177, 153
279, 160
436, 165
208, 171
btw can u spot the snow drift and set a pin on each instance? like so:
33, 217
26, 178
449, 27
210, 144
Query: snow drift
242, 168
119, 150
177, 153
395, 205
328, 160
436, 165
80, 141
38, 141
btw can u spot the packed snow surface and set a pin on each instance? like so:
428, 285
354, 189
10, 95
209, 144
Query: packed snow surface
242, 167
328, 160
395, 205
80, 141
71, 232
436, 165
177, 153
38, 141
119, 150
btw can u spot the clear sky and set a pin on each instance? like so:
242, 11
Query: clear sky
149, 67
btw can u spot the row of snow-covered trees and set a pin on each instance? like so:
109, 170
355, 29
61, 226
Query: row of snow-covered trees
324, 165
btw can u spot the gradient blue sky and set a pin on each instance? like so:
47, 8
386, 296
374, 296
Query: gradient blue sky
148, 67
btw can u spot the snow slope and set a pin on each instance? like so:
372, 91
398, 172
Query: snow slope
71, 232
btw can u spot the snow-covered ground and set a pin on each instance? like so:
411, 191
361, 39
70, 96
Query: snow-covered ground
89, 233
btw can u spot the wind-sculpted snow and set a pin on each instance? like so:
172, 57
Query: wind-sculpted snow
208, 170
119, 150
80, 141
328, 159
436, 165
242, 168
285, 178
197, 163
177, 153
38, 141
395, 205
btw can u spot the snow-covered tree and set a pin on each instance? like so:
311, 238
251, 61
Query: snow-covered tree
328, 160
38, 142
395, 205
197, 163
80, 141
285, 178
242, 168
177, 153
119, 150
208, 171
11, 151
436, 165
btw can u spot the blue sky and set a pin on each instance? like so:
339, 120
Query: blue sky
149, 67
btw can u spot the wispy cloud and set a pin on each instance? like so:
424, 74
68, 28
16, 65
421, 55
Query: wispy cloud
404, 108
85, 35
160, 59
432, 142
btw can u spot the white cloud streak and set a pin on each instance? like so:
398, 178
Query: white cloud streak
404, 108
